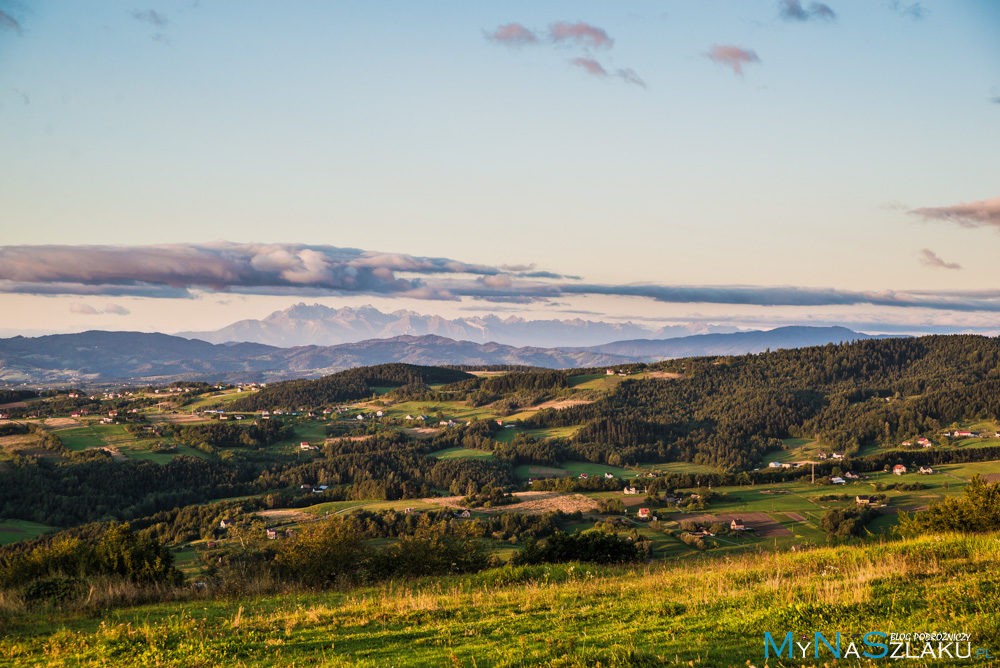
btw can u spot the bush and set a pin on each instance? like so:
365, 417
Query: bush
596, 546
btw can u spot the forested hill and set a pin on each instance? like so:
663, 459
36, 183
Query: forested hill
729, 411
736, 343
346, 386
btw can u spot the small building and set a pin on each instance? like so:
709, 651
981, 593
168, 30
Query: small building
926, 469
837, 480
774, 465
851, 475
906, 444
272, 534
630, 490
898, 469
584, 476
379, 413
821, 455
609, 476
644, 514
838, 455
609, 372
737, 525
465, 514
863, 500
305, 485
226, 523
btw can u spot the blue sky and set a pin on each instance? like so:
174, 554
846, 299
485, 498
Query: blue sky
612, 150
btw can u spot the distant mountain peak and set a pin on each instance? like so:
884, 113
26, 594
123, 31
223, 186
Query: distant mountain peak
315, 324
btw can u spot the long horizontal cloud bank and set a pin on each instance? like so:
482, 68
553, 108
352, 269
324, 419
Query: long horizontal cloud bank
174, 271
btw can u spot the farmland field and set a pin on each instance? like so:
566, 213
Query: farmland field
12, 531
462, 453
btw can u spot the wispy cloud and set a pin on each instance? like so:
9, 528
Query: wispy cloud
116, 309
985, 213
590, 65
581, 34
792, 10
995, 100
628, 75
732, 56
87, 309
8, 22
931, 259
513, 34
150, 16
912, 10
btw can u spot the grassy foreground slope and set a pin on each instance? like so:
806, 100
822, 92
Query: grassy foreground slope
712, 613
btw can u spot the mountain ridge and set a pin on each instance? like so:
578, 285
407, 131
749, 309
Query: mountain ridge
100, 356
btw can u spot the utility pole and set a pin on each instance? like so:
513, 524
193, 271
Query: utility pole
814, 473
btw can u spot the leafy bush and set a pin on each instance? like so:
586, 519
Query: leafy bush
596, 546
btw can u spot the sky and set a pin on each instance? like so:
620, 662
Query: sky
180, 166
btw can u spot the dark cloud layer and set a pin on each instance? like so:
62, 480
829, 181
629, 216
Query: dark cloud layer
176, 270
172, 270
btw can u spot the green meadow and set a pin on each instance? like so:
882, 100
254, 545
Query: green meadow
12, 531
702, 612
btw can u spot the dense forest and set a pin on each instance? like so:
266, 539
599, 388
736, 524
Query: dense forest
347, 385
728, 412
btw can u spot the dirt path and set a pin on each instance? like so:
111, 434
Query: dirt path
284, 515
420, 432
559, 404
